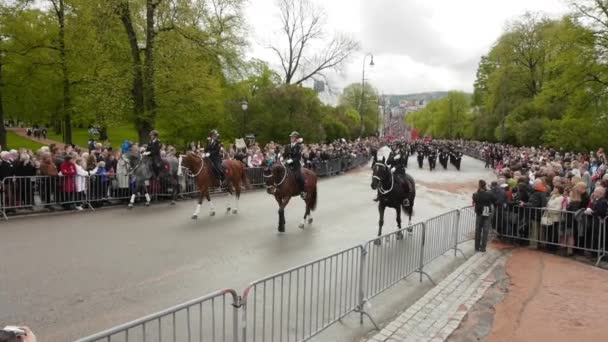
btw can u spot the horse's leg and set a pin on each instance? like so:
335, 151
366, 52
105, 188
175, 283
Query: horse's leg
237, 196
381, 208
281, 215
306, 213
399, 234
198, 206
146, 183
211, 206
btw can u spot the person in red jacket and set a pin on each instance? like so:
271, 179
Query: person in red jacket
68, 172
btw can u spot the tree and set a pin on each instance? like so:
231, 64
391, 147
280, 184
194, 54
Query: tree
303, 26
449, 117
368, 106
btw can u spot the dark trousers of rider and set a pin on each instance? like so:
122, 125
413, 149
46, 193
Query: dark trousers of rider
217, 165
297, 171
482, 228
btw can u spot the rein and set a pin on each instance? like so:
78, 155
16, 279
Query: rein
381, 188
199, 170
275, 183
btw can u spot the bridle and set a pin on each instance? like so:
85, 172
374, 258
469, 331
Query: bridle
275, 185
381, 188
190, 173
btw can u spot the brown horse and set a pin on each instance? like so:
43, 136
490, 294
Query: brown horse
281, 183
202, 170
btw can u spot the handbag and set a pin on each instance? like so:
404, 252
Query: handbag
546, 219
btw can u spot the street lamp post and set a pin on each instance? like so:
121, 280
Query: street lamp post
371, 63
244, 106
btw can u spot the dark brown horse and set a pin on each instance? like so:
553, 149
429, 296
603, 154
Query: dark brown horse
281, 183
202, 170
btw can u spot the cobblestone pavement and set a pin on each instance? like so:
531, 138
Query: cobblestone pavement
436, 315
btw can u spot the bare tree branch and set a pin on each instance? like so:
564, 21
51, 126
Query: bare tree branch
302, 26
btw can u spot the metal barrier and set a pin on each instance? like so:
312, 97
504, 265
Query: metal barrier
553, 229
213, 317
299, 303
78, 191
391, 258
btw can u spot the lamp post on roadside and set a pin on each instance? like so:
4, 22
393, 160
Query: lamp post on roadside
371, 63
244, 106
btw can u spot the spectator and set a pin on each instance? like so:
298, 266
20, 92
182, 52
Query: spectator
68, 173
484, 201
551, 218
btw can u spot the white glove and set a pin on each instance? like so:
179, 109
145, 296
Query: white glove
393, 169
397, 157
589, 211
289, 161
207, 155
147, 153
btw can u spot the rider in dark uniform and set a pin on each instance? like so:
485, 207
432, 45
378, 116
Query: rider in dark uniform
153, 150
293, 157
213, 152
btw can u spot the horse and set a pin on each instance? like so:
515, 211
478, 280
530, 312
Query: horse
201, 169
393, 194
139, 169
169, 176
281, 183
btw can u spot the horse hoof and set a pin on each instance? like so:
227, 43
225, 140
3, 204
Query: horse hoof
130, 206
409, 230
301, 226
310, 221
228, 210
173, 203
147, 204
234, 211
281, 229
377, 242
194, 217
400, 236
212, 213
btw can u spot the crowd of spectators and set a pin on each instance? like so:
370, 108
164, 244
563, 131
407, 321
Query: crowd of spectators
548, 196
70, 170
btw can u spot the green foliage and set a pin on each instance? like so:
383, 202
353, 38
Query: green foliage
366, 104
449, 117
545, 78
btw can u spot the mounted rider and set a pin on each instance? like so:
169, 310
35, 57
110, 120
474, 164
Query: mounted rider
214, 153
293, 156
153, 151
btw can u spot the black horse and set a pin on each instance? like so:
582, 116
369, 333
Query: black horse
393, 193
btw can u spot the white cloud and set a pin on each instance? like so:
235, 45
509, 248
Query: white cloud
419, 45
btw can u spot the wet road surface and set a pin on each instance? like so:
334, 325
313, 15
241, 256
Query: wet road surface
70, 275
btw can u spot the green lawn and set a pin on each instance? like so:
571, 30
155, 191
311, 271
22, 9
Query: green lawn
16, 142
116, 135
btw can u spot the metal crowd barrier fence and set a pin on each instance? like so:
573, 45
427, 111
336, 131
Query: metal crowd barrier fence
79, 191
213, 317
391, 258
553, 229
301, 302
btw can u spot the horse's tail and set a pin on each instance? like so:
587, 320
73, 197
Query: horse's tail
313, 199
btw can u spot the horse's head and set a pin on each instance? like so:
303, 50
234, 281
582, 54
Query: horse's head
380, 173
189, 162
269, 180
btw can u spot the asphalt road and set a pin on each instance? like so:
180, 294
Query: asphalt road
70, 275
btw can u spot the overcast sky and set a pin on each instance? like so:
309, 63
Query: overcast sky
418, 45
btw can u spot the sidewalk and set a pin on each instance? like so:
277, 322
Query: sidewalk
22, 132
436, 315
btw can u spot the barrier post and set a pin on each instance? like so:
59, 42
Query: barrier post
456, 232
362, 265
421, 267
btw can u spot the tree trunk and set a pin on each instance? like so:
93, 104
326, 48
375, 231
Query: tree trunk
137, 90
67, 104
149, 89
3, 144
